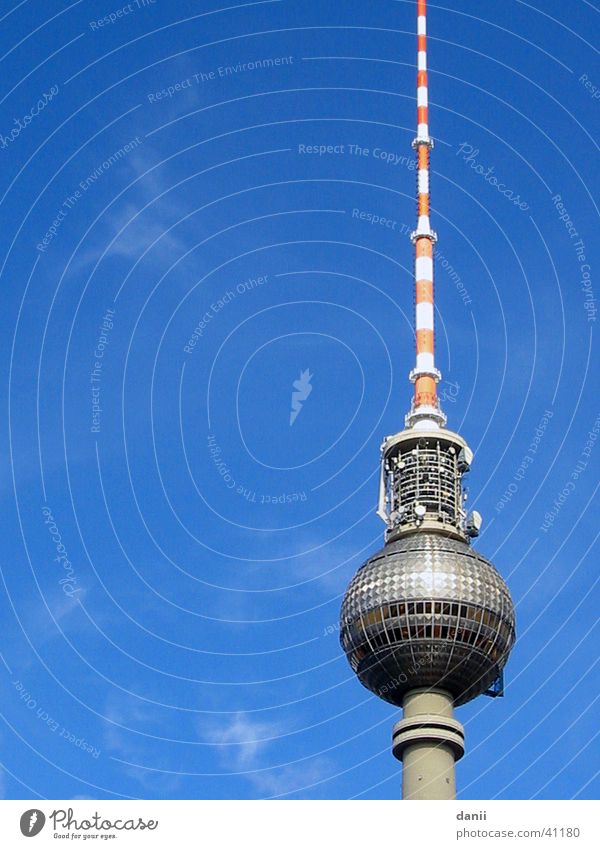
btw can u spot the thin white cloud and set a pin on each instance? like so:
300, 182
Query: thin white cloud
242, 740
248, 744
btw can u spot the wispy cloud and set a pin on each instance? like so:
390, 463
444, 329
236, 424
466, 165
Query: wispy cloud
142, 217
125, 710
248, 744
308, 779
243, 739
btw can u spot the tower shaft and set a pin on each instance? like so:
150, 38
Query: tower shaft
427, 623
428, 741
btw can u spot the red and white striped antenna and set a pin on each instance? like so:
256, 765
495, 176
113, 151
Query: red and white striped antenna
425, 412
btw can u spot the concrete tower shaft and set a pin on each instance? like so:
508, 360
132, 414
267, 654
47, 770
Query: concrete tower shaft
429, 741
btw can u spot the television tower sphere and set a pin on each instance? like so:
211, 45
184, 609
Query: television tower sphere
427, 611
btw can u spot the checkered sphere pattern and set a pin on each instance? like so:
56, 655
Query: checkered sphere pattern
427, 611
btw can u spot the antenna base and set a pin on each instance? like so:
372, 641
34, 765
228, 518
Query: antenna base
424, 234
424, 372
425, 417
426, 140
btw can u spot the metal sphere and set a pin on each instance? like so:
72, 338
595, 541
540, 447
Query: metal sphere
427, 611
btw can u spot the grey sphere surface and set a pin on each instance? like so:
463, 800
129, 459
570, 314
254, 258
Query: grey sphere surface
427, 611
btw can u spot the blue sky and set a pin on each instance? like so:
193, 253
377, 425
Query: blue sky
185, 200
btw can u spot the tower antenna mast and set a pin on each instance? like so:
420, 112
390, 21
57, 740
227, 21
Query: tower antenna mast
427, 623
425, 411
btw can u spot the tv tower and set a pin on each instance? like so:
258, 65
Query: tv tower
427, 623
